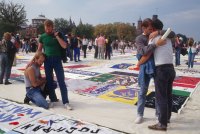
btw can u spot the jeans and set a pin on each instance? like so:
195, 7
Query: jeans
76, 54
164, 78
35, 96
177, 56
5, 68
54, 63
71, 54
147, 71
101, 52
144, 84
191, 59
84, 50
96, 52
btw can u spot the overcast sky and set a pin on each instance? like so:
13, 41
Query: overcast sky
183, 16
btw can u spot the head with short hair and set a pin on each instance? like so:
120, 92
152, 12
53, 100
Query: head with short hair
48, 23
157, 24
39, 58
147, 26
190, 42
7, 36
48, 26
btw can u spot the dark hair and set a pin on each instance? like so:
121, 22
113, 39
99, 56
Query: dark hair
190, 42
146, 22
157, 24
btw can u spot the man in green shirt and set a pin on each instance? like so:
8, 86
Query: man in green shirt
52, 43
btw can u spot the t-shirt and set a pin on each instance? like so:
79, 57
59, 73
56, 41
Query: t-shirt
163, 54
50, 44
142, 46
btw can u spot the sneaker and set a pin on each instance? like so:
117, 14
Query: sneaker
139, 120
51, 104
158, 126
67, 106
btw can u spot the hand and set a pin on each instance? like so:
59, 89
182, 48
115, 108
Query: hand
56, 34
161, 42
153, 35
43, 80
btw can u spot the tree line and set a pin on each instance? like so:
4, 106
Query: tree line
13, 15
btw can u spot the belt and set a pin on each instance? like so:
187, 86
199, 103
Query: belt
165, 65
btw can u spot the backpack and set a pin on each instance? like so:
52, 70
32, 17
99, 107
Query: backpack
63, 50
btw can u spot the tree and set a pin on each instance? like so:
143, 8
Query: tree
11, 16
86, 30
40, 29
62, 25
116, 30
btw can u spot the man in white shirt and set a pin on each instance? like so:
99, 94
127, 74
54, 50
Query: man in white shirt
164, 77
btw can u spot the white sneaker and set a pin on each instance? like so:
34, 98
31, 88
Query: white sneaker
51, 104
139, 120
67, 106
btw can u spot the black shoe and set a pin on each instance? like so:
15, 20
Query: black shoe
26, 100
158, 127
79, 60
1, 82
76, 61
7, 83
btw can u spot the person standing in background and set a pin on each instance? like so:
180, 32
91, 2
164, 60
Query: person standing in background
108, 48
7, 55
96, 47
192, 50
101, 44
178, 45
85, 44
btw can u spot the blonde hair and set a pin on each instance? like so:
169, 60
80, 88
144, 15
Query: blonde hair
7, 36
48, 23
38, 55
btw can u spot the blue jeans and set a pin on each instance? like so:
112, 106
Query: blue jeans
35, 96
76, 54
144, 84
5, 68
54, 63
177, 56
191, 59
